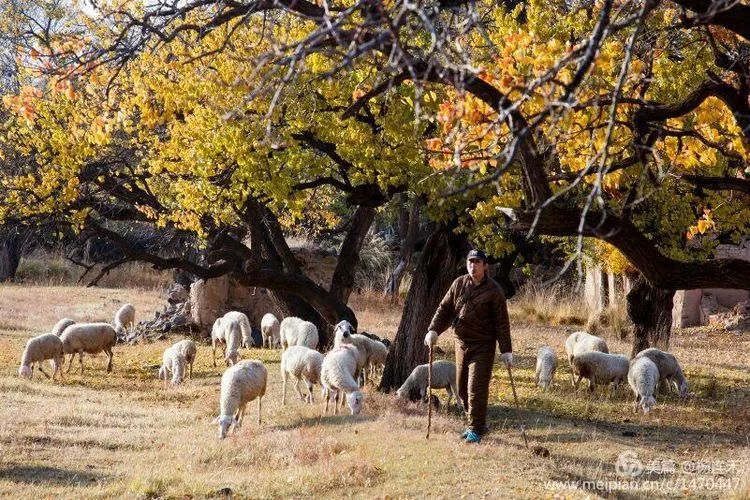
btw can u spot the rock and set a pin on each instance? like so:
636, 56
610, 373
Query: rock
708, 307
177, 294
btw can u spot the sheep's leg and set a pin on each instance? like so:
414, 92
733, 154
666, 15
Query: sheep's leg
42, 370
213, 351
310, 399
191, 371
70, 361
592, 385
240, 414
327, 395
635, 403
283, 387
259, 405
577, 382
336, 403
80, 359
296, 388
110, 355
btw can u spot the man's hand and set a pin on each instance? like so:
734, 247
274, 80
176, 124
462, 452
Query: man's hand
507, 358
431, 338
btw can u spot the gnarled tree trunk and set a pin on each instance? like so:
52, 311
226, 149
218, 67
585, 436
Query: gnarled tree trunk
650, 309
441, 262
11, 244
408, 228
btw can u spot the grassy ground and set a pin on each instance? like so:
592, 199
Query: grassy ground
123, 434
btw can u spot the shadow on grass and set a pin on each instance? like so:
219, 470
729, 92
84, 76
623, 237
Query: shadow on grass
327, 420
34, 474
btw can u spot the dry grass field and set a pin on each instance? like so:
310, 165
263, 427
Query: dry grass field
125, 435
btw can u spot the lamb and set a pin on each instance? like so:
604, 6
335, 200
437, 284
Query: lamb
643, 377
302, 363
217, 338
670, 371
172, 362
546, 365
343, 333
296, 331
245, 328
443, 377
240, 384
269, 328
91, 338
600, 368
378, 354
580, 342
61, 325
337, 377
39, 349
233, 339
188, 349
124, 318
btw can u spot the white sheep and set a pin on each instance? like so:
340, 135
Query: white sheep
124, 318
91, 338
546, 365
217, 338
269, 329
173, 362
240, 384
670, 371
600, 368
443, 377
378, 355
62, 325
38, 349
296, 331
337, 378
643, 377
580, 342
188, 349
245, 328
233, 338
302, 363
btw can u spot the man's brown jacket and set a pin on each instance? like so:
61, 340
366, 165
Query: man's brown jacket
478, 313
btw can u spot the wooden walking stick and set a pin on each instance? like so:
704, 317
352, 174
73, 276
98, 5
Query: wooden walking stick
518, 408
429, 394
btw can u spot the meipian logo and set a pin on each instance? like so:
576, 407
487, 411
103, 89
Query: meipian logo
628, 464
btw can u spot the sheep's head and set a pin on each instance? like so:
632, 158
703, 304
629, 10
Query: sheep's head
232, 358
24, 371
120, 330
224, 422
683, 388
355, 400
648, 403
343, 332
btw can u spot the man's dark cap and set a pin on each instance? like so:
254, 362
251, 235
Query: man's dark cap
477, 254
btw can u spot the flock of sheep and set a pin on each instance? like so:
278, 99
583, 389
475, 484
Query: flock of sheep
342, 371
589, 358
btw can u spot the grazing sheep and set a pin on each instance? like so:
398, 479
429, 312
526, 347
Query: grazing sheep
124, 318
62, 325
233, 339
240, 384
378, 354
245, 328
643, 377
217, 338
580, 342
91, 338
600, 368
39, 349
296, 331
188, 349
443, 377
546, 365
173, 362
302, 363
337, 378
670, 371
269, 328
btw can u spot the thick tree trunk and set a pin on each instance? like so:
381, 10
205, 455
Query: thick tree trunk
408, 232
603, 289
650, 309
441, 262
11, 243
342, 282
502, 273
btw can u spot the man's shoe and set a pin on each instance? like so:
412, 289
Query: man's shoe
472, 437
